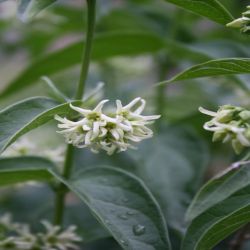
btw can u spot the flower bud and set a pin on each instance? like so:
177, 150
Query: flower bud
245, 115
242, 23
230, 124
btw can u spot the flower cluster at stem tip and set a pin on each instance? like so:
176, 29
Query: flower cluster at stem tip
15, 236
242, 23
113, 132
230, 124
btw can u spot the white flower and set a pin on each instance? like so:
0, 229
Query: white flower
55, 238
113, 132
6, 222
229, 124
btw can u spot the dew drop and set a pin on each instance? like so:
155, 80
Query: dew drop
123, 216
107, 222
130, 213
139, 230
124, 242
104, 180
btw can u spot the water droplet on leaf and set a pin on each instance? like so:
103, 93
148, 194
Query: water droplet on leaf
124, 242
130, 213
123, 216
107, 222
139, 229
125, 200
104, 180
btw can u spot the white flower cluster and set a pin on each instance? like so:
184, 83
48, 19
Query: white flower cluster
114, 132
15, 236
242, 23
230, 124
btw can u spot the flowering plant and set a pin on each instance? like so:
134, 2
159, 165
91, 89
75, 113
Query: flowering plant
78, 171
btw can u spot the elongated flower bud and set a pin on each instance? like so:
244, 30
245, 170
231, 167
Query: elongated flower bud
242, 23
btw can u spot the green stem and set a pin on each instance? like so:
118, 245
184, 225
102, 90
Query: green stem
88, 48
61, 190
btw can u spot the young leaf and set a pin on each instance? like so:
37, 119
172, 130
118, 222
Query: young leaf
27, 9
26, 115
218, 222
211, 9
105, 46
123, 204
22, 169
227, 66
218, 189
55, 92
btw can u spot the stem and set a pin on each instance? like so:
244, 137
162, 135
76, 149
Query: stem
61, 190
88, 48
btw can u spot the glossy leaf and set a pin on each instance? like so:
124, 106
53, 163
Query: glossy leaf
176, 160
105, 46
22, 169
219, 67
218, 189
27, 9
123, 204
26, 115
211, 9
218, 222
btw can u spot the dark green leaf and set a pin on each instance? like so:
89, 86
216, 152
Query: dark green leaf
218, 222
211, 9
123, 204
26, 115
27, 9
218, 189
176, 160
22, 169
219, 67
105, 46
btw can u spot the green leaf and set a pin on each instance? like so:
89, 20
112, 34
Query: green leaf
123, 204
218, 189
22, 169
26, 115
218, 222
219, 67
105, 46
211, 9
176, 159
54, 91
27, 9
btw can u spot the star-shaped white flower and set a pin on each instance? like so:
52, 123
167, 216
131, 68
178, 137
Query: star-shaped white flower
112, 133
